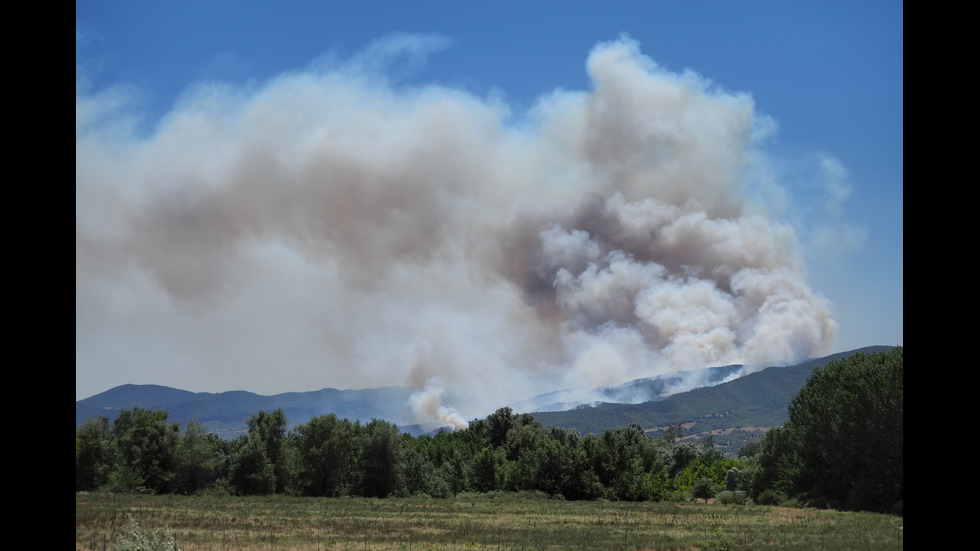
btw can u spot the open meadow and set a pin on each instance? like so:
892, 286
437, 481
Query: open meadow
471, 521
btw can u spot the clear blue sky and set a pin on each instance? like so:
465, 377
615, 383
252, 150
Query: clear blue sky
828, 74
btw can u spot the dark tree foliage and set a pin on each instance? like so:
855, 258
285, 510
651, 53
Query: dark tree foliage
202, 459
327, 451
252, 472
147, 447
673, 433
270, 429
381, 459
750, 449
486, 472
260, 463
778, 463
95, 454
703, 488
330, 457
842, 446
498, 424
418, 473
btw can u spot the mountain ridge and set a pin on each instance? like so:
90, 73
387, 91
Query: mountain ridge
749, 404
757, 399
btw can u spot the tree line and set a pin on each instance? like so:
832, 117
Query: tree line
842, 447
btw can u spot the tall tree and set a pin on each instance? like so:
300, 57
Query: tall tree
843, 444
381, 459
498, 424
270, 429
327, 453
252, 473
147, 447
260, 463
201, 459
95, 454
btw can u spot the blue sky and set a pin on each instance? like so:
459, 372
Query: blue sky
825, 81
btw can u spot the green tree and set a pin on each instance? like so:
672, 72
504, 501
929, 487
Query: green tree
95, 454
849, 421
252, 473
710, 465
260, 463
147, 447
486, 470
778, 463
673, 433
750, 449
327, 453
843, 444
418, 472
270, 429
498, 424
627, 463
703, 488
201, 459
455, 471
381, 459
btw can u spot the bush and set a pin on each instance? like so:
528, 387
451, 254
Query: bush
135, 538
703, 488
731, 497
125, 479
438, 487
770, 497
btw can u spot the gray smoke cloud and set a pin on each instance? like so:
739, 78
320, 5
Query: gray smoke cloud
331, 228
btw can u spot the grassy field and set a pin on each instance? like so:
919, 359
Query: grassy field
472, 522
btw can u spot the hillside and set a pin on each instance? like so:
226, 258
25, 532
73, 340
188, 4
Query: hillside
747, 405
225, 413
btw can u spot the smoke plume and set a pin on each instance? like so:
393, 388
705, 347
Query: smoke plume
332, 228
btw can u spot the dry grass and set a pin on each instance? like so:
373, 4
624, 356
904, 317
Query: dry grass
477, 522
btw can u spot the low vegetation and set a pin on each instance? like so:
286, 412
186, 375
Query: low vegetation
488, 521
841, 449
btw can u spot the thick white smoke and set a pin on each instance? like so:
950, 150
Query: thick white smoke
333, 229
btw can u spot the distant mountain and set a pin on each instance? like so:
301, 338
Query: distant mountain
753, 401
225, 413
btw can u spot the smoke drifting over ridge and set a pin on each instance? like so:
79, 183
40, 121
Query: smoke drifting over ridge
333, 229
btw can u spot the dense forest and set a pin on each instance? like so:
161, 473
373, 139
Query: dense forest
841, 448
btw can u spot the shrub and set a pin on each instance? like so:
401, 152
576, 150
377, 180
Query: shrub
135, 538
731, 497
770, 497
438, 487
703, 488
125, 479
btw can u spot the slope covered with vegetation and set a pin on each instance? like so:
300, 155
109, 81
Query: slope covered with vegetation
759, 399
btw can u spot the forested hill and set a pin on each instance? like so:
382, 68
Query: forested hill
753, 401
756, 400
